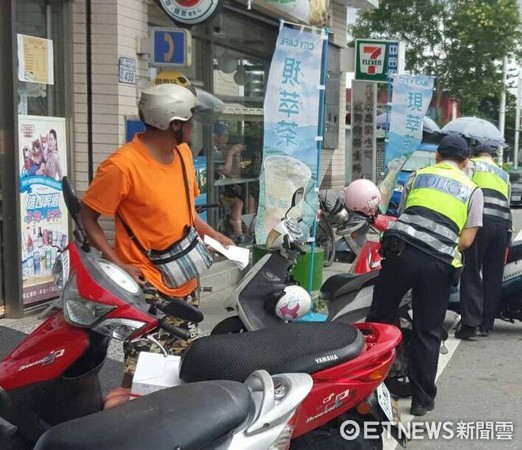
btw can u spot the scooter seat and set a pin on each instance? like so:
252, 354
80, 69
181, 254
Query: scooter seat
345, 283
188, 416
299, 347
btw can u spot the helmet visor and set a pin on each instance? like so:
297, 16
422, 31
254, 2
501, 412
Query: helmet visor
208, 109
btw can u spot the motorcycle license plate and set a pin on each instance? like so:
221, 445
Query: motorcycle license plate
384, 399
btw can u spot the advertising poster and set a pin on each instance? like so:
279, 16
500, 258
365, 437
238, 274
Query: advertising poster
291, 115
35, 59
312, 12
44, 217
411, 98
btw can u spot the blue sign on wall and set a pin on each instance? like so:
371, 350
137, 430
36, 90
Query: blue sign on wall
171, 47
133, 126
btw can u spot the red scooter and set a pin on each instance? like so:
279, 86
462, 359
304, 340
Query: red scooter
347, 363
368, 258
49, 385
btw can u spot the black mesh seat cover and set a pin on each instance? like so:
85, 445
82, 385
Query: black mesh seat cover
188, 416
297, 347
346, 283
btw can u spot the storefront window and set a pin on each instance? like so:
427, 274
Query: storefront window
241, 58
43, 19
231, 58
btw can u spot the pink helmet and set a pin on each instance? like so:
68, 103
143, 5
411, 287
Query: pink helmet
362, 196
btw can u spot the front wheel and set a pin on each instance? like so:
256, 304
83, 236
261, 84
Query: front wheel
230, 325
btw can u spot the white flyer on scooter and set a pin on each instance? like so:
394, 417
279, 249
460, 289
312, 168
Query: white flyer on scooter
239, 255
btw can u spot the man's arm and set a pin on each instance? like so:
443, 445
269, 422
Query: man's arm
89, 218
203, 228
467, 237
474, 222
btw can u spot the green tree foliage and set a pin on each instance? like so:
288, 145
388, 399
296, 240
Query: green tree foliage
461, 42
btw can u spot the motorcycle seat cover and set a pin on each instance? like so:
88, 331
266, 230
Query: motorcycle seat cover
187, 416
297, 347
345, 283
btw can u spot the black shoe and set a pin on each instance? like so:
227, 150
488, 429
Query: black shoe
399, 389
465, 332
418, 409
482, 332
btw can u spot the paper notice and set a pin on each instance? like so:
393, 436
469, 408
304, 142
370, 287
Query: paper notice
239, 255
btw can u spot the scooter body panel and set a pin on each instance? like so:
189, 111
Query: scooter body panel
45, 354
260, 289
342, 387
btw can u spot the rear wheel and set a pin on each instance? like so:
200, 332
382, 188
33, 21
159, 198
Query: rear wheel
325, 238
231, 325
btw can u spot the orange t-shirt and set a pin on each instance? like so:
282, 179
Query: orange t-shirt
150, 197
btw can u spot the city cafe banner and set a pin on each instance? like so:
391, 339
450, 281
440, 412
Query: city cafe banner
291, 115
44, 219
411, 98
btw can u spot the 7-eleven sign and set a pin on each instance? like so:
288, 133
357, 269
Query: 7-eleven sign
375, 60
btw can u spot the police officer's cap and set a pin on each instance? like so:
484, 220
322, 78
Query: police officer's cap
484, 148
454, 146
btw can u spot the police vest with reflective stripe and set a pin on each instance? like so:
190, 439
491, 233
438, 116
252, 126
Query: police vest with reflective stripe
436, 212
494, 183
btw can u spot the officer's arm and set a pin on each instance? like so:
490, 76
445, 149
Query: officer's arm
405, 192
474, 222
467, 237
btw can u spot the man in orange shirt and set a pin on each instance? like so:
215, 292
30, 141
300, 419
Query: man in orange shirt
142, 184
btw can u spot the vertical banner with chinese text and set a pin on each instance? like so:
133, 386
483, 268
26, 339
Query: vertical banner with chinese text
291, 128
44, 219
411, 98
364, 144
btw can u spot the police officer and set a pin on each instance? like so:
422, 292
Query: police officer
421, 250
484, 261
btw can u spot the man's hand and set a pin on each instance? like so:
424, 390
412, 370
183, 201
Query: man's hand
135, 273
223, 240
238, 148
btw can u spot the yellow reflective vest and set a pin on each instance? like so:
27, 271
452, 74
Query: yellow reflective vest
436, 211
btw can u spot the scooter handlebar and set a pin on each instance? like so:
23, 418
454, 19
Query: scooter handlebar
173, 329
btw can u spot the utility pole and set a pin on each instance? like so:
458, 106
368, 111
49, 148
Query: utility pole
517, 119
502, 111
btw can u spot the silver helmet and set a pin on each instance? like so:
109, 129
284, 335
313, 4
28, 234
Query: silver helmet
160, 105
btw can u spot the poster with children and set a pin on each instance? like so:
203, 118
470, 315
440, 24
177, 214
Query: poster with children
44, 218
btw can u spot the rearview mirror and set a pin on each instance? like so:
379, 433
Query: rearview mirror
71, 200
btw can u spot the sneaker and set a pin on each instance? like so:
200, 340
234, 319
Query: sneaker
482, 332
465, 332
418, 409
244, 240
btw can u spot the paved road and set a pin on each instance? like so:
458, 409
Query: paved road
479, 385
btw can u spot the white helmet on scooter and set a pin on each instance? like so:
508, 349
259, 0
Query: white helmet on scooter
362, 196
294, 303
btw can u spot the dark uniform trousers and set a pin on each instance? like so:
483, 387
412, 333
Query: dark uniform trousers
430, 280
481, 280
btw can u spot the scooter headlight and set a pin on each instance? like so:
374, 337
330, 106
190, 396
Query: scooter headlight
80, 311
118, 328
